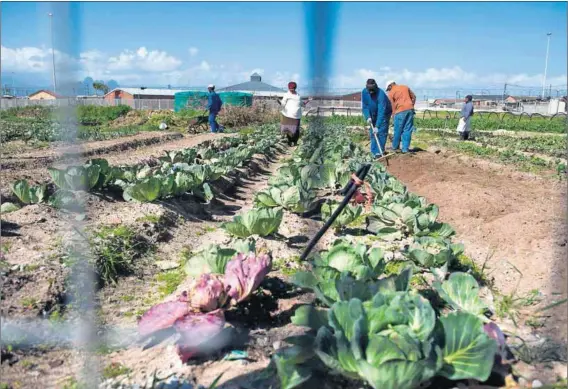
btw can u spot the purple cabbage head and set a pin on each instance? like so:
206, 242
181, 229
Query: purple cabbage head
208, 293
198, 333
244, 273
494, 332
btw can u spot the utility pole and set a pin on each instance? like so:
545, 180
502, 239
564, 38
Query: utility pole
504, 93
52, 51
546, 63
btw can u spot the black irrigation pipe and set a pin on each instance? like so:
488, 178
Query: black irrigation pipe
348, 191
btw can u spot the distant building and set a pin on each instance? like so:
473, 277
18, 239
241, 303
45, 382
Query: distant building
521, 99
140, 94
43, 95
256, 87
446, 103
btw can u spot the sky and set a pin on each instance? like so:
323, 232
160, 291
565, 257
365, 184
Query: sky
424, 45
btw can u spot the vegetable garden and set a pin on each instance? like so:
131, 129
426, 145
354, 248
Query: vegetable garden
387, 299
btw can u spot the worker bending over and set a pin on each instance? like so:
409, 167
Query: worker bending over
377, 111
402, 100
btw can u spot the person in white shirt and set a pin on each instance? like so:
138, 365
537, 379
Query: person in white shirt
291, 114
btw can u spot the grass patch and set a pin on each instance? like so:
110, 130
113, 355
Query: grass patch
115, 250
115, 370
169, 281
508, 156
149, 219
127, 298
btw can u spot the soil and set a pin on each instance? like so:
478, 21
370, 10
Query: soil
507, 220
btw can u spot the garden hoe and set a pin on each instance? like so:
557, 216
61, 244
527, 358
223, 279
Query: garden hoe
384, 156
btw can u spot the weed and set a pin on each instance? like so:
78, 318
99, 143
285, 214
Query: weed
72, 383
149, 219
4, 385
55, 317
210, 228
32, 267
395, 267
127, 298
466, 264
29, 302
115, 370
115, 249
169, 281
288, 266
185, 254
6, 246
26, 364
511, 306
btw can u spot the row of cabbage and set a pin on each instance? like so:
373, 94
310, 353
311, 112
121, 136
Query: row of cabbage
368, 323
373, 325
173, 174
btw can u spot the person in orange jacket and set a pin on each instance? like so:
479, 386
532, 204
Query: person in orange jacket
402, 100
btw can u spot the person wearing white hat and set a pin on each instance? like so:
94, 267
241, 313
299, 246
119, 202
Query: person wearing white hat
402, 100
214, 105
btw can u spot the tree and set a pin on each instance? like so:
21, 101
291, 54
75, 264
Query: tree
100, 86
112, 84
87, 87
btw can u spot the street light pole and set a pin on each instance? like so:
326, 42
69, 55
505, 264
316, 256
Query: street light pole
546, 63
52, 51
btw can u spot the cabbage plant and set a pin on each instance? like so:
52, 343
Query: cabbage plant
261, 222
347, 216
28, 194
395, 221
214, 259
392, 341
427, 252
293, 198
350, 270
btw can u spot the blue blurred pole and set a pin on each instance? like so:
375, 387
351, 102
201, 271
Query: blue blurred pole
320, 26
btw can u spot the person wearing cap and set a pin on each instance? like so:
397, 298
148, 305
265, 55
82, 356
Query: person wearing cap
377, 111
464, 125
214, 105
291, 113
402, 100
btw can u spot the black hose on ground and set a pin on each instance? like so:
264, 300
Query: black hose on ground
349, 191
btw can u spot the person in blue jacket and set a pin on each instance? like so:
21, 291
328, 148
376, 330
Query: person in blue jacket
377, 110
214, 105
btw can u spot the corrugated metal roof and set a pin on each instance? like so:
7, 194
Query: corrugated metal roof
147, 91
251, 86
255, 85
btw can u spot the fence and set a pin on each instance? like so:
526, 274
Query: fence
320, 107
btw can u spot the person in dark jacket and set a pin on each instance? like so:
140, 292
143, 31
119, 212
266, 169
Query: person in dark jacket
464, 125
377, 111
214, 105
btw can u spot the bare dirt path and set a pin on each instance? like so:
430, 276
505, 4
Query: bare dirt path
511, 219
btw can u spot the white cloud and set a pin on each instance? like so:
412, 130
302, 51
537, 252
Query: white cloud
142, 59
193, 51
443, 77
156, 67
